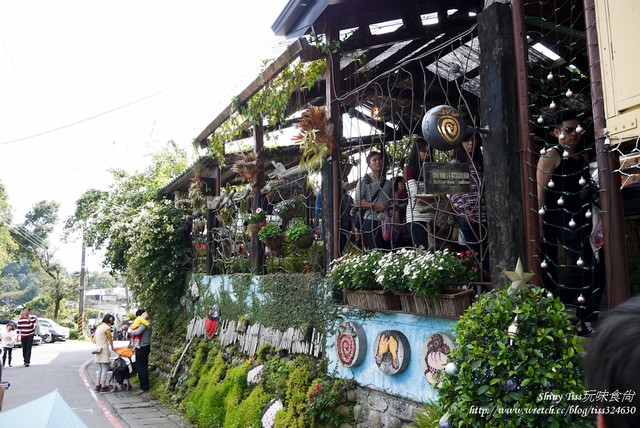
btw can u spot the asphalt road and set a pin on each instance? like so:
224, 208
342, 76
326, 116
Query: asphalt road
55, 365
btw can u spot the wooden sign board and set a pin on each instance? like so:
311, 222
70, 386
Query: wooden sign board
448, 178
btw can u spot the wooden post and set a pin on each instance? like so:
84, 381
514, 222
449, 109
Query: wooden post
614, 252
503, 171
257, 247
331, 177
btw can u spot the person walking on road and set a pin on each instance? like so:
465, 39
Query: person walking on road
104, 339
27, 325
8, 341
143, 349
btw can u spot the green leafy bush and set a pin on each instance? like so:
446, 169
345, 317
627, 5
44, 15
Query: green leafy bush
249, 411
270, 231
296, 231
501, 377
322, 404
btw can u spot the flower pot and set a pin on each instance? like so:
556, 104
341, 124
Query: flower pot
304, 242
451, 303
274, 243
253, 228
373, 299
287, 215
198, 227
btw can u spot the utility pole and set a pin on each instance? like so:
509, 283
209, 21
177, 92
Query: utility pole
81, 300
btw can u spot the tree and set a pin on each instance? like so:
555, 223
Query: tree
7, 244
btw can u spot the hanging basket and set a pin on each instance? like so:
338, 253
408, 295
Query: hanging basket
274, 243
287, 215
304, 242
254, 228
450, 303
381, 300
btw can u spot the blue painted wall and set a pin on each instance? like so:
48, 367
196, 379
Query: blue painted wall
411, 383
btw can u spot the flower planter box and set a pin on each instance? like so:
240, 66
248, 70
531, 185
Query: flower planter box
451, 303
373, 299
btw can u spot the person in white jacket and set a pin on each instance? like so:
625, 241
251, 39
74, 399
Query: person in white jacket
8, 341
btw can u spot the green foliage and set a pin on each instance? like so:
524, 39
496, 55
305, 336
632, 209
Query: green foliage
7, 244
74, 334
496, 375
259, 216
296, 231
294, 415
429, 416
275, 376
249, 411
208, 380
323, 403
222, 396
270, 231
355, 272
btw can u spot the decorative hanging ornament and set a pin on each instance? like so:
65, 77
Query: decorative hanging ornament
579, 129
550, 76
580, 262
569, 93
511, 384
512, 331
560, 201
572, 223
541, 211
551, 184
451, 369
543, 151
544, 264
562, 136
565, 154
552, 106
444, 421
581, 299
582, 181
588, 214
540, 120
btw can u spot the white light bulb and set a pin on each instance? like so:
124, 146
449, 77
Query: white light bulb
541, 211
565, 154
580, 262
560, 201
572, 223
550, 76
569, 93
579, 129
582, 181
540, 120
551, 184
588, 214
581, 299
543, 151
550, 295
544, 264
562, 136
552, 106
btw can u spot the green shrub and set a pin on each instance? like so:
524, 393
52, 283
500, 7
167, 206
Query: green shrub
74, 334
215, 401
294, 413
249, 411
498, 376
208, 379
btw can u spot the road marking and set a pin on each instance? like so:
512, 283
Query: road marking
105, 409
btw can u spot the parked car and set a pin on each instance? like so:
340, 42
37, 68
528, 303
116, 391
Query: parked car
55, 330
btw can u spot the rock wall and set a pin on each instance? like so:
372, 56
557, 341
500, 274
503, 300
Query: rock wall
376, 409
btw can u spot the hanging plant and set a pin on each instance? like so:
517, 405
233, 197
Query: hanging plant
315, 138
248, 166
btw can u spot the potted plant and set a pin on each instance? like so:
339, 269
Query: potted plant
285, 209
256, 221
271, 235
199, 226
299, 234
226, 213
248, 166
315, 138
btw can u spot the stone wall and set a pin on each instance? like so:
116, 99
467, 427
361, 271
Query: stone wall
376, 409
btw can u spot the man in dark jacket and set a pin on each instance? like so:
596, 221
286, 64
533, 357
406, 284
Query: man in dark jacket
143, 349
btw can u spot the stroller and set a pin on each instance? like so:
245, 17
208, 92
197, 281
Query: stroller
123, 367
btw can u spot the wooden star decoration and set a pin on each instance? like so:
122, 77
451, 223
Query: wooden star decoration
518, 277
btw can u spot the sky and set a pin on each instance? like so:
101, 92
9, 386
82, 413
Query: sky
86, 86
